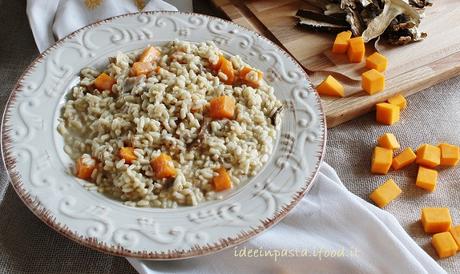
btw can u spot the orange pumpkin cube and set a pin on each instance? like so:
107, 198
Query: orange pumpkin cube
429, 155
85, 167
127, 153
356, 49
436, 219
450, 154
386, 113
330, 87
377, 61
426, 178
251, 77
142, 68
163, 166
398, 100
226, 72
381, 160
149, 55
104, 82
222, 107
455, 231
385, 193
388, 140
444, 244
405, 158
341, 42
372, 81
222, 180
217, 63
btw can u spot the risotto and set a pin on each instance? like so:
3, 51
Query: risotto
169, 126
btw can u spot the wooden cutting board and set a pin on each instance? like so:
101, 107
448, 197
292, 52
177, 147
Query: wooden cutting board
412, 67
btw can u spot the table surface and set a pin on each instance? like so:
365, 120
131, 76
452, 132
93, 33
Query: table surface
28, 246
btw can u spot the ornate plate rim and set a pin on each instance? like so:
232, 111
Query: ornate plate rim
91, 242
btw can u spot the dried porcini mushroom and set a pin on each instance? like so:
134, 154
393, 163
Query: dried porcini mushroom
396, 21
320, 22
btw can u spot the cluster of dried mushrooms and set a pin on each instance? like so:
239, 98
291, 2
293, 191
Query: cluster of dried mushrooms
396, 21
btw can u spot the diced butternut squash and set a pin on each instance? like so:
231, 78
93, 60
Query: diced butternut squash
386, 113
127, 153
436, 219
356, 49
455, 231
385, 193
450, 154
341, 42
163, 166
222, 180
226, 72
403, 159
149, 55
140, 68
381, 160
251, 77
372, 81
444, 244
428, 155
398, 100
215, 64
85, 167
377, 61
330, 87
104, 82
426, 178
388, 140
222, 107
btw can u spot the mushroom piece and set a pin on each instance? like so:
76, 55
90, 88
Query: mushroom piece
334, 10
316, 21
391, 10
353, 16
314, 25
320, 17
420, 3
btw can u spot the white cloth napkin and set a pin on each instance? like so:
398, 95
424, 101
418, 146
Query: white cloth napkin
329, 219
51, 20
330, 231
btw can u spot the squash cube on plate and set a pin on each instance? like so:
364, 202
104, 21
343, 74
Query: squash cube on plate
403, 159
388, 140
356, 49
381, 160
386, 113
222, 107
149, 55
428, 155
385, 193
330, 87
142, 68
436, 219
398, 100
377, 61
163, 166
222, 180
104, 82
372, 81
450, 154
341, 42
444, 244
426, 178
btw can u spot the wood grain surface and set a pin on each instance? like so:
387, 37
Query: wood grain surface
412, 67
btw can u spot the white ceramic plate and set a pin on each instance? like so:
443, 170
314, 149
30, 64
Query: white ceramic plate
39, 168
